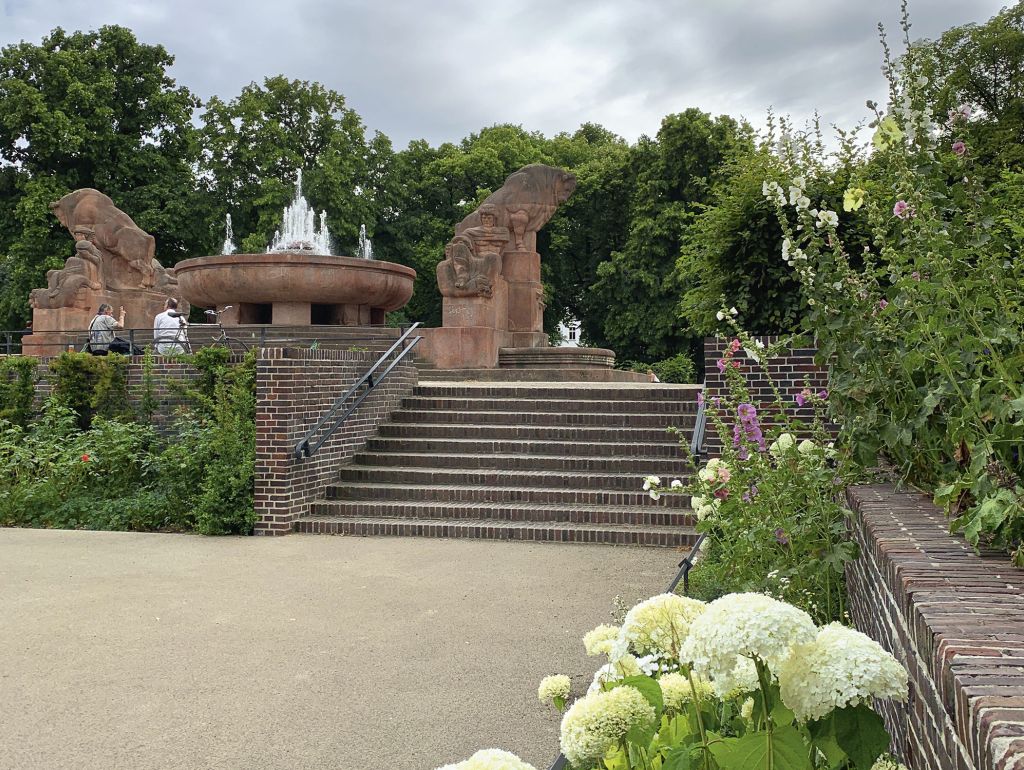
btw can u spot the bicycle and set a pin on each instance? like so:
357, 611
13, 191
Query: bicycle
221, 340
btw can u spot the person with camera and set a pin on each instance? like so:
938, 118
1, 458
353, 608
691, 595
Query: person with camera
101, 329
169, 330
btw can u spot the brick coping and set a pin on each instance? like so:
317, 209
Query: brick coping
963, 613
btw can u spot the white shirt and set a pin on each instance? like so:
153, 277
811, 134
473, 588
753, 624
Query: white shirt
165, 331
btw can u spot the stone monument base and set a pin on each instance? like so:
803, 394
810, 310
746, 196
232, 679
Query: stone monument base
54, 330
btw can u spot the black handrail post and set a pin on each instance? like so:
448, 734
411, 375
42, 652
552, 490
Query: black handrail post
131, 342
263, 336
7, 342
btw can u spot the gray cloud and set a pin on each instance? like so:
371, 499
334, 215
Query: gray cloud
443, 71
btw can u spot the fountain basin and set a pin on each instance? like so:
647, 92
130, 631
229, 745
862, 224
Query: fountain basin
293, 287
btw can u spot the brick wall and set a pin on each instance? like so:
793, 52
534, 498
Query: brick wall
955, 619
294, 388
791, 373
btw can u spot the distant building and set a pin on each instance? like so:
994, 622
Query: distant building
570, 333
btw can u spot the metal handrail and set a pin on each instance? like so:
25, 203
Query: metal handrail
696, 448
304, 448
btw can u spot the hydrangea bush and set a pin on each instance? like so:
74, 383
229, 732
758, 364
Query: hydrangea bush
746, 682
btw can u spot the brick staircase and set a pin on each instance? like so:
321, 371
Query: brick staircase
519, 461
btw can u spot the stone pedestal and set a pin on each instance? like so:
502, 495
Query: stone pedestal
490, 312
468, 347
53, 330
525, 298
291, 314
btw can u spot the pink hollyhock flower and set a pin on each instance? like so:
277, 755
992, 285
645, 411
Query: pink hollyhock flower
85, 458
883, 304
959, 148
902, 210
722, 493
735, 346
724, 474
721, 364
802, 397
915, 275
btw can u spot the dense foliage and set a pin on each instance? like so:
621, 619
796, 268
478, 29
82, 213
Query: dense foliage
87, 460
746, 682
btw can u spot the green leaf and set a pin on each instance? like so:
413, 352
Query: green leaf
648, 687
751, 752
680, 758
823, 738
860, 733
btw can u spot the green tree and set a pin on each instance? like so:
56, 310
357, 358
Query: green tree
90, 109
588, 227
255, 145
429, 190
982, 66
675, 175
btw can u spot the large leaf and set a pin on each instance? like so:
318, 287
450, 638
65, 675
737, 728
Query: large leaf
751, 752
823, 738
861, 733
648, 687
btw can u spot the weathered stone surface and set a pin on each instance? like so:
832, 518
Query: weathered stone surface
296, 288
113, 263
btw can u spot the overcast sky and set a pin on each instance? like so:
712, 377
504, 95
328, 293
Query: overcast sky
443, 69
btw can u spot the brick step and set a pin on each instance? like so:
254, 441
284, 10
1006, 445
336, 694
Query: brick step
611, 449
504, 511
559, 405
530, 417
622, 435
567, 464
500, 530
644, 393
501, 494
522, 479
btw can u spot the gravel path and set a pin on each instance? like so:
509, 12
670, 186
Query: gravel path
127, 650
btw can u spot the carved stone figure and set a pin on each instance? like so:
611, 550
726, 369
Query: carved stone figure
525, 202
127, 251
81, 274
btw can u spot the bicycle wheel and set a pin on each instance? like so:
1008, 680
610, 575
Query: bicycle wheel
233, 344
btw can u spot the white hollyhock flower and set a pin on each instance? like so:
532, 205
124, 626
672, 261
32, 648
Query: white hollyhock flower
596, 722
676, 484
740, 626
803, 202
827, 218
840, 667
720, 315
733, 312
651, 481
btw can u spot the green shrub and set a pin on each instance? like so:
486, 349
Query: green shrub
17, 388
91, 385
678, 368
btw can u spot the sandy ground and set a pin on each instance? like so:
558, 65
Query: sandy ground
127, 650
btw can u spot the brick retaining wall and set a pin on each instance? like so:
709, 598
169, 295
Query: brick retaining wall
791, 372
955, 619
294, 388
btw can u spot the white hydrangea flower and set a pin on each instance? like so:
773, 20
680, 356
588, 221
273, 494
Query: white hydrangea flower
657, 625
704, 506
887, 763
807, 447
676, 690
552, 687
620, 668
840, 667
597, 721
744, 625
782, 444
742, 680
491, 759
600, 640
747, 709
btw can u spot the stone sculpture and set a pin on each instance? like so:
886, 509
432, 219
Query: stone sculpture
128, 260
473, 258
490, 278
113, 263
